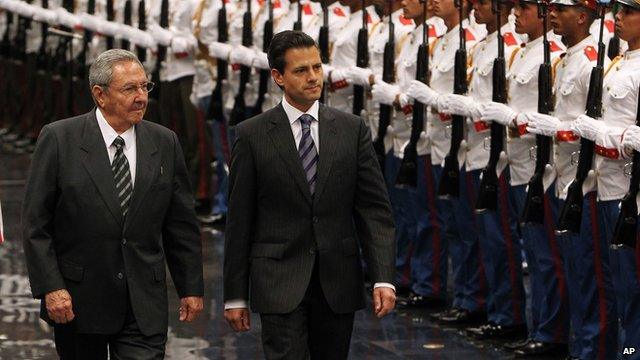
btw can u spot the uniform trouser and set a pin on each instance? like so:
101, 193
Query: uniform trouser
502, 258
16, 95
599, 328
221, 151
549, 298
178, 113
429, 258
463, 229
625, 263
404, 215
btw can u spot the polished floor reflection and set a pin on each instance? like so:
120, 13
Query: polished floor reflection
402, 335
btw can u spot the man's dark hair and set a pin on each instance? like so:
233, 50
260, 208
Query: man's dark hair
284, 41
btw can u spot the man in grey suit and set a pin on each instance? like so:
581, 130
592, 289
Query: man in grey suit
305, 195
107, 203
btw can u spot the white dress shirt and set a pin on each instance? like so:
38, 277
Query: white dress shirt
129, 137
296, 128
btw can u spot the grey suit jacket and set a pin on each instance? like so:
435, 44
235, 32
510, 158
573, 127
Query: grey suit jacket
276, 229
75, 236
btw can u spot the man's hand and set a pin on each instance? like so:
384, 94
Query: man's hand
384, 300
190, 308
59, 306
238, 319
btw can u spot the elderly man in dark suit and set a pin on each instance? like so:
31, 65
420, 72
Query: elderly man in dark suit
306, 194
107, 203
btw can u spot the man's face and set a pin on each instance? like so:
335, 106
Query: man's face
443, 8
527, 19
412, 9
125, 98
628, 23
482, 11
564, 19
302, 77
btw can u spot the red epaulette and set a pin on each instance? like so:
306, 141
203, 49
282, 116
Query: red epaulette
591, 53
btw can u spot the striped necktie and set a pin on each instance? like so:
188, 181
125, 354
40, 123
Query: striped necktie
308, 153
122, 175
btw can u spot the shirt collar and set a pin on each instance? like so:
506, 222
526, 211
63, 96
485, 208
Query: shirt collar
293, 114
109, 134
579, 46
632, 55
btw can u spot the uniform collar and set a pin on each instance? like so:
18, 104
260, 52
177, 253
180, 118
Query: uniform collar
632, 55
579, 46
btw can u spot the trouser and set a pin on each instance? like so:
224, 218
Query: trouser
311, 330
502, 258
128, 344
599, 327
220, 145
549, 299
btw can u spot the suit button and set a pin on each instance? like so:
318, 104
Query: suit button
315, 219
120, 275
124, 241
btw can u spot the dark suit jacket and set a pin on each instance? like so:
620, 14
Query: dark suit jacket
275, 229
75, 236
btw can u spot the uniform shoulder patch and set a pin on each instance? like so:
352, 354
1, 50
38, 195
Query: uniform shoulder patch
553, 46
338, 12
276, 4
509, 39
469, 36
407, 22
432, 31
591, 53
610, 25
307, 9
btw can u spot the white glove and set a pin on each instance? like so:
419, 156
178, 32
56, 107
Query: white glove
66, 18
541, 124
24, 9
422, 92
242, 55
588, 127
338, 78
89, 22
260, 60
631, 138
500, 113
460, 105
220, 50
358, 76
384, 93
141, 38
45, 16
108, 28
179, 45
160, 35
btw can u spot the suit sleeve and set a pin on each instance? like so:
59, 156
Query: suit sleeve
240, 218
38, 211
373, 218
181, 235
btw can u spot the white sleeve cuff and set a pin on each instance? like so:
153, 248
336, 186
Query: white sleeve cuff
235, 304
383, 284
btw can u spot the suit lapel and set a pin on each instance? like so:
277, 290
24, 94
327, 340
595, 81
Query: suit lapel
96, 162
328, 143
282, 138
146, 169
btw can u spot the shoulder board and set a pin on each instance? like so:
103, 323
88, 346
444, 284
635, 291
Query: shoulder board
553, 46
610, 25
338, 12
509, 39
469, 36
405, 21
591, 53
307, 9
432, 31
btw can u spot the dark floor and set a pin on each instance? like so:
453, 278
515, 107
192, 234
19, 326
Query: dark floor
401, 335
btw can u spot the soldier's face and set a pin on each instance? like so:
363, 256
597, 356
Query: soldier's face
527, 19
482, 11
302, 77
412, 9
564, 19
628, 23
124, 99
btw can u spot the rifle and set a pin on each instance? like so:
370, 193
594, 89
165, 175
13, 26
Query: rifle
124, 43
216, 108
362, 60
239, 111
42, 59
450, 179
297, 26
625, 231
162, 50
408, 173
614, 46
86, 40
323, 44
488, 195
534, 204
142, 25
265, 74
388, 75
20, 40
110, 18
571, 214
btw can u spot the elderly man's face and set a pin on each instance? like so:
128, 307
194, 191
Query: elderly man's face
125, 99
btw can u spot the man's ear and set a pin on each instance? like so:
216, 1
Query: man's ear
98, 95
277, 77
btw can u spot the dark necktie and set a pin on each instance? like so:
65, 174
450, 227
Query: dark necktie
121, 175
307, 152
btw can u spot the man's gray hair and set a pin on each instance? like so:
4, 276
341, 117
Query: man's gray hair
101, 70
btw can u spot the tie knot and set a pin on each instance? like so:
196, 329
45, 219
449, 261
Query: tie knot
305, 120
118, 142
